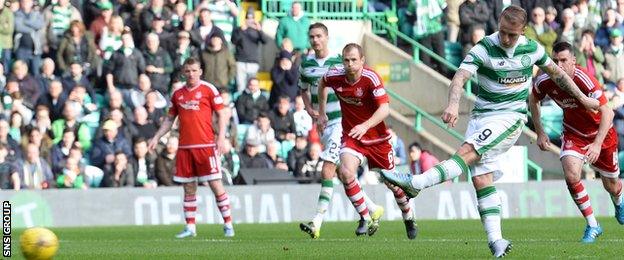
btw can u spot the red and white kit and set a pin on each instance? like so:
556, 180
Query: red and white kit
580, 125
197, 158
358, 102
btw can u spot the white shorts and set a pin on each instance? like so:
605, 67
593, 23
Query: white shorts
331, 143
491, 136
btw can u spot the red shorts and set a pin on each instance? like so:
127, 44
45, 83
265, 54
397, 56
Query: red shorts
197, 164
379, 156
607, 163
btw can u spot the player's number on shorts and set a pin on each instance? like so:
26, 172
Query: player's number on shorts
333, 148
485, 134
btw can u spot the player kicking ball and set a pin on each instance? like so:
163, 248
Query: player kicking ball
197, 159
365, 138
587, 137
503, 62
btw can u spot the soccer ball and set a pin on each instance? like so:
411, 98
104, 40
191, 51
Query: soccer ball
39, 243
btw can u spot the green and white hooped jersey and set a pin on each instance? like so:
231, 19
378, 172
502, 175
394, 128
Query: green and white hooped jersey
505, 75
312, 70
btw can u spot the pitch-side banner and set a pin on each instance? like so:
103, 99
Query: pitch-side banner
283, 203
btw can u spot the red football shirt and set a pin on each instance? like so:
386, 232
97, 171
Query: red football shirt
576, 119
359, 101
194, 108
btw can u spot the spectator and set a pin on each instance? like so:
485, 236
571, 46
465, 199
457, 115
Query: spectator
294, 27
9, 174
230, 111
15, 152
12, 100
42, 121
165, 37
223, 13
609, 23
452, 20
166, 161
28, 38
585, 17
139, 95
496, 7
104, 149
551, 18
110, 40
590, 57
141, 127
261, 132
177, 13
251, 102
158, 64
28, 86
34, 136
7, 27
36, 173
70, 121
143, 164
282, 120
115, 101
428, 28
184, 49
285, 77
124, 67
303, 121
73, 176
156, 8
529, 5
57, 20
472, 13
400, 158
207, 29
47, 75
84, 106
60, 151
476, 35
76, 76
119, 173
247, 40
298, 155
568, 31
539, 31
77, 46
274, 160
54, 99
218, 63
188, 25
250, 158
420, 160
100, 24
124, 125
230, 162
312, 166
614, 58
154, 114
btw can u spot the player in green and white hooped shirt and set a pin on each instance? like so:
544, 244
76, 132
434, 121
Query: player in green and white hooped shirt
503, 63
313, 67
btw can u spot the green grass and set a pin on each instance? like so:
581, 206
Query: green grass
465, 239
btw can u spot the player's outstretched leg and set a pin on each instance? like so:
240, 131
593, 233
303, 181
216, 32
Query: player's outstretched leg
189, 207
313, 228
581, 199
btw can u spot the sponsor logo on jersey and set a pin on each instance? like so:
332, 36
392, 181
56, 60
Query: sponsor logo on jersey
513, 78
190, 105
359, 92
596, 94
352, 100
379, 92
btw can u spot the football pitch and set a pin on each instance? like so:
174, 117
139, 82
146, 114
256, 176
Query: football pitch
452, 239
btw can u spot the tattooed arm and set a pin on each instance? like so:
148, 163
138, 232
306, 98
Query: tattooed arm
566, 83
451, 112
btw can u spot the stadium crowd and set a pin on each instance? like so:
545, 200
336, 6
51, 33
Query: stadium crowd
85, 84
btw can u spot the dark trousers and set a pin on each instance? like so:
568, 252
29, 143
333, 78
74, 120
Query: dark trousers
435, 43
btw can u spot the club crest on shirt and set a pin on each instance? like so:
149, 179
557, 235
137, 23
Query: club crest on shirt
359, 92
198, 95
